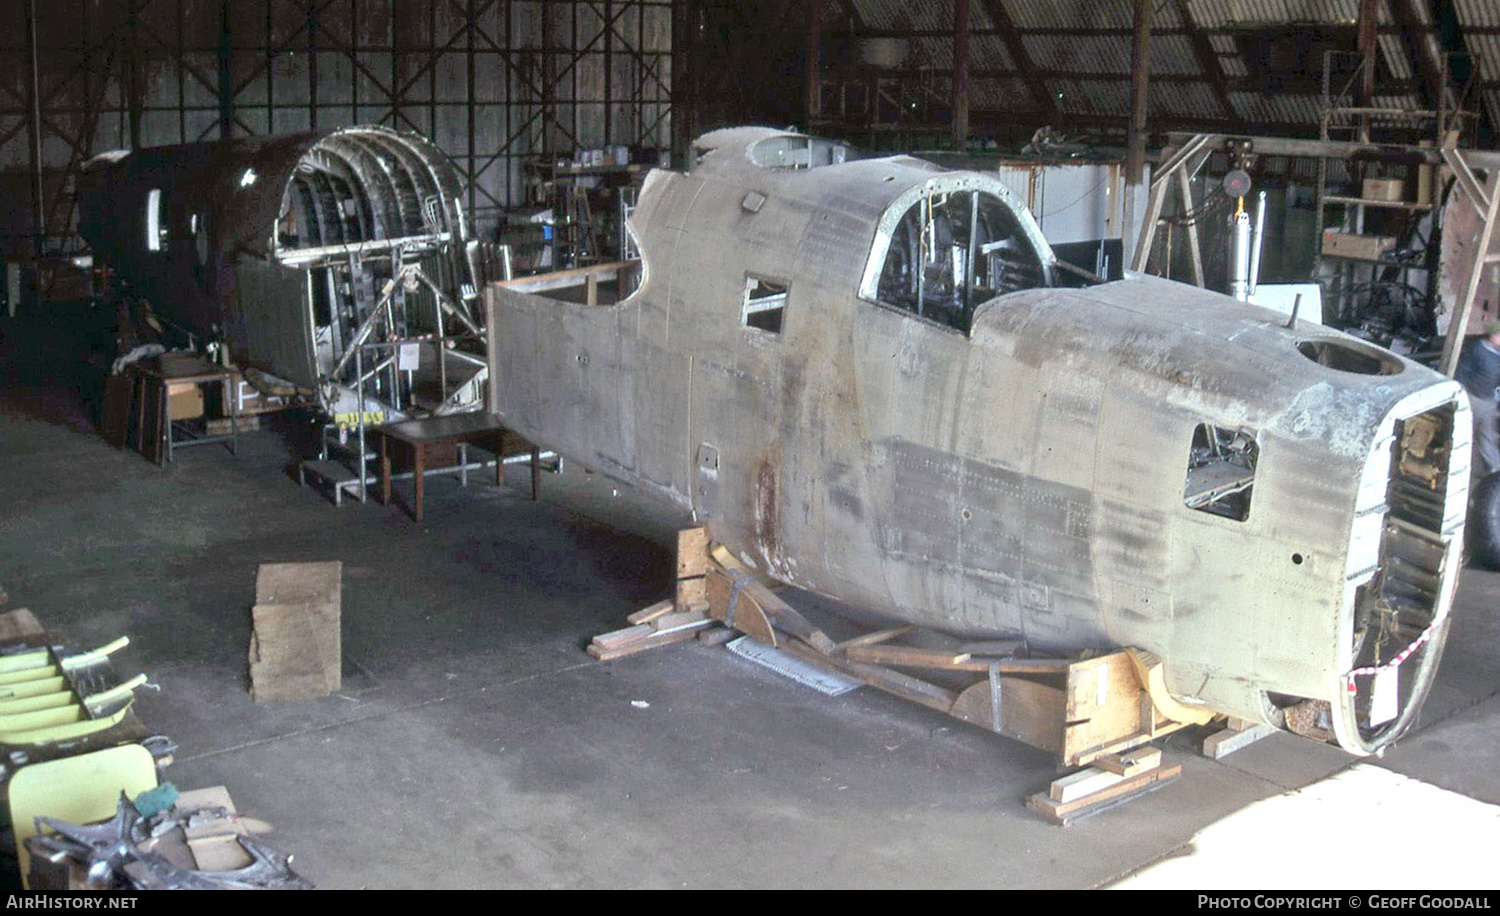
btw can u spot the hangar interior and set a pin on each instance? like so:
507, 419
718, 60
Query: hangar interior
1054, 401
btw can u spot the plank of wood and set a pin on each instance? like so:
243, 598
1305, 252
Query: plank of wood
674, 619
1002, 648
879, 636
692, 552
905, 656
686, 620
1038, 666
620, 637
655, 641
1122, 791
1087, 781
648, 614
1130, 762
1226, 741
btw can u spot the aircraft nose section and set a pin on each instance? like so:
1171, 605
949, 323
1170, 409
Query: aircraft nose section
1405, 554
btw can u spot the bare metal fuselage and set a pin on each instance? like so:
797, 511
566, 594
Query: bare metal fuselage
1025, 474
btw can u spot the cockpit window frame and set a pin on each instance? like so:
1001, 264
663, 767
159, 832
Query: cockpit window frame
796, 152
895, 212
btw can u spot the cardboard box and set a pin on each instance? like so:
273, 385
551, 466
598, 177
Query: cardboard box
1384, 189
184, 401
1362, 247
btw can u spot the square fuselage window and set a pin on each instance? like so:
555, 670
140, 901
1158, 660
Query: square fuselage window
1221, 471
764, 304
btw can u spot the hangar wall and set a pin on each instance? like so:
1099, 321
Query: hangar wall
491, 82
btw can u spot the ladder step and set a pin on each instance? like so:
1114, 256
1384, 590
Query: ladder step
334, 472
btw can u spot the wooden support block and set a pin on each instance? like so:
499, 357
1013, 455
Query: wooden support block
1152, 677
690, 592
905, 656
785, 617
692, 552
748, 616
648, 614
716, 636
1087, 781
1131, 762
1237, 735
1065, 813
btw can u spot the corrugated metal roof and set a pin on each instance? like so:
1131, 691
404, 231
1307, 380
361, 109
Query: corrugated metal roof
1477, 12
1046, 14
1079, 54
1393, 50
1215, 14
1093, 97
899, 14
989, 52
1001, 95
1064, 47
1279, 108
933, 54
1186, 100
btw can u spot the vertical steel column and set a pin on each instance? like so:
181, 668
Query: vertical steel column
181, 64
270, 76
472, 153
432, 55
960, 72
312, 64
609, 71
226, 74
684, 99
133, 80
1369, 26
34, 129
1140, 72
814, 98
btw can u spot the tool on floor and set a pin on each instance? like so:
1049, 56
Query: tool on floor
128, 851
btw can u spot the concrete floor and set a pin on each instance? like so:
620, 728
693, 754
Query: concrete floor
476, 745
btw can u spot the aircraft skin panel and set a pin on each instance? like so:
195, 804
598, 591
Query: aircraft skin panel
1135, 463
271, 328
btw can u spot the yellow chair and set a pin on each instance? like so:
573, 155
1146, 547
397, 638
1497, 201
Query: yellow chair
80, 789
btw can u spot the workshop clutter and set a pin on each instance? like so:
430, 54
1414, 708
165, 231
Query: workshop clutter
80, 774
